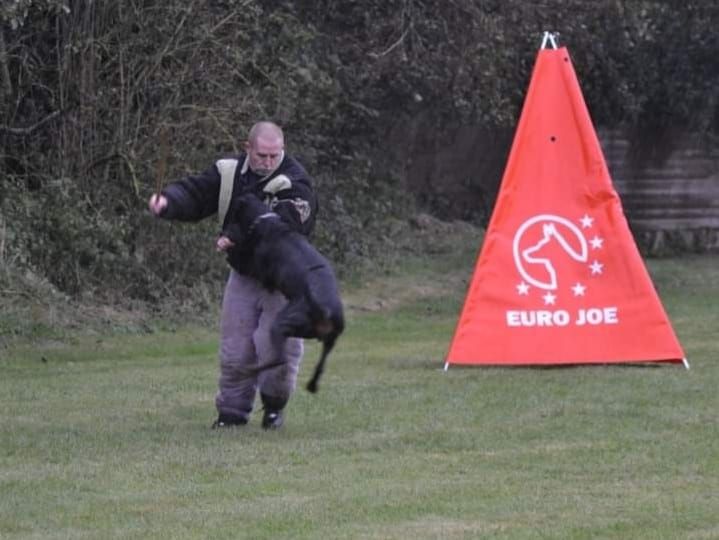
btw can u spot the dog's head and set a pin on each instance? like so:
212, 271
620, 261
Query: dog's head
246, 211
248, 207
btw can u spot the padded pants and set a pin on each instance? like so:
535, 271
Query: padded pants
248, 311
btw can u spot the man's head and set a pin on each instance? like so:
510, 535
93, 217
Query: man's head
265, 147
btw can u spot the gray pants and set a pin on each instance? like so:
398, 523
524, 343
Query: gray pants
248, 311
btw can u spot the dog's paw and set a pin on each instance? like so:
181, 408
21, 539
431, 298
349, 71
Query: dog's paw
312, 386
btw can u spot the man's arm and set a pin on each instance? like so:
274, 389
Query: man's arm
190, 199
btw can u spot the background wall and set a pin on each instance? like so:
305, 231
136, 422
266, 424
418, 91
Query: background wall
668, 181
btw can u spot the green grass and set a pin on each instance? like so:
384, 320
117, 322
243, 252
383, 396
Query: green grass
109, 438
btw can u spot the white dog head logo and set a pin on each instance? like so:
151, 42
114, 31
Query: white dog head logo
534, 267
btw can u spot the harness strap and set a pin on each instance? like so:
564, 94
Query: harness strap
227, 168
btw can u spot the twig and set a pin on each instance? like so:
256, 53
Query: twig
131, 168
4, 69
262, 72
391, 47
128, 163
10, 292
24, 132
161, 170
145, 74
2, 241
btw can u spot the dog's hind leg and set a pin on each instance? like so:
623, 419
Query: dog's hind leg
295, 321
291, 321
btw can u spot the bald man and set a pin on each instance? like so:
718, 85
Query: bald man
248, 310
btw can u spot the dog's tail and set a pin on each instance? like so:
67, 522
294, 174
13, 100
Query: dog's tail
328, 323
327, 345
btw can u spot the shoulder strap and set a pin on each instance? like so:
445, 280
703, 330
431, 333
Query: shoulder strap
227, 168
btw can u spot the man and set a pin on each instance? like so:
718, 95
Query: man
248, 309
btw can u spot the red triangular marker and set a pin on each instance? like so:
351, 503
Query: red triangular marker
559, 279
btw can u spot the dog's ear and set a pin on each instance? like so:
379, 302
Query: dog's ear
249, 197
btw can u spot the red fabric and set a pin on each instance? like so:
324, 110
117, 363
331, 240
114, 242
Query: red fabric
559, 279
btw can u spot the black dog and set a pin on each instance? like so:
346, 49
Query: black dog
284, 260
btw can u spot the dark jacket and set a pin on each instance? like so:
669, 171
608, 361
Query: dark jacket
196, 197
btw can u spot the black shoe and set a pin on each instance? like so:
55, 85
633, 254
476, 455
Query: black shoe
272, 419
228, 421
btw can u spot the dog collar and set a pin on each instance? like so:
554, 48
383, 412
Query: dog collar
260, 218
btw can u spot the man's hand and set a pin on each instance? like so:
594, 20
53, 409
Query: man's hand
157, 204
224, 243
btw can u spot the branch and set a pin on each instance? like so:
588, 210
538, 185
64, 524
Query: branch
24, 132
391, 47
126, 160
4, 70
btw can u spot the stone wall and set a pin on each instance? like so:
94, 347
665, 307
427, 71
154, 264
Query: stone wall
668, 182
669, 186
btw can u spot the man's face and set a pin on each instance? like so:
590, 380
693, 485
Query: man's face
265, 154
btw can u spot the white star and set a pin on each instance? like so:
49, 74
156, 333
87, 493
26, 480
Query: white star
596, 242
579, 289
523, 289
586, 221
549, 299
596, 267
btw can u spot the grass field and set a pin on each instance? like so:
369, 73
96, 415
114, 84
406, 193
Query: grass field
109, 437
